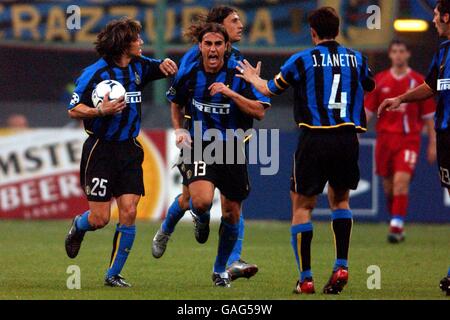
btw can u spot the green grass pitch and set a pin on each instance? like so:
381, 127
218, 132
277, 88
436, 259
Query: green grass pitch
34, 263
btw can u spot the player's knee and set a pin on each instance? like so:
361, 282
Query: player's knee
401, 186
401, 189
98, 221
201, 205
128, 214
231, 216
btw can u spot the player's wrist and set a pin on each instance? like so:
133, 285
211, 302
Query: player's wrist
100, 111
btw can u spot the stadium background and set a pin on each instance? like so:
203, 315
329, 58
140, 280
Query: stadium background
41, 58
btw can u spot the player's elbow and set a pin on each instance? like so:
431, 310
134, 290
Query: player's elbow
260, 114
72, 114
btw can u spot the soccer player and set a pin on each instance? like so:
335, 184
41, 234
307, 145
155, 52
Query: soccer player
237, 267
398, 134
436, 84
111, 164
329, 81
214, 98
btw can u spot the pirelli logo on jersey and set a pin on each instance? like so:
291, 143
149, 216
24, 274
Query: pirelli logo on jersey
133, 97
443, 85
216, 108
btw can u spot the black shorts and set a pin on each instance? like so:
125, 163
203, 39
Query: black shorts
325, 156
231, 179
443, 157
111, 169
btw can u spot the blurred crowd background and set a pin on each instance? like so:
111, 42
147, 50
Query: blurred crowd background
40, 57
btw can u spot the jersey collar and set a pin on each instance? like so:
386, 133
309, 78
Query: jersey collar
329, 43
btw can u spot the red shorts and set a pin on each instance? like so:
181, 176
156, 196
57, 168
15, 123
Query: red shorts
396, 153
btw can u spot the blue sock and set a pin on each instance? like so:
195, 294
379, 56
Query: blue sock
174, 214
228, 234
342, 228
123, 241
203, 217
448, 273
82, 223
301, 237
237, 250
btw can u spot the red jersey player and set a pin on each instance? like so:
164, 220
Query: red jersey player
398, 134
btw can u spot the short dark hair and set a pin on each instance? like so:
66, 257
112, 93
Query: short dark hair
116, 37
214, 28
325, 21
217, 14
398, 42
443, 6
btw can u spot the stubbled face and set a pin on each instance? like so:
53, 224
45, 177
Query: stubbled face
442, 28
399, 55
213, 47
234, 27
135, 49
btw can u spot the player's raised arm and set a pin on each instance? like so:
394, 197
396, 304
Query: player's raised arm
251, 75
420, 93
168, 67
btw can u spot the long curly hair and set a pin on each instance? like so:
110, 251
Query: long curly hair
217, 15
116, 37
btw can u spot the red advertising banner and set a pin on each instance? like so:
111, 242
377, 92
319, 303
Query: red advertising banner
39, 174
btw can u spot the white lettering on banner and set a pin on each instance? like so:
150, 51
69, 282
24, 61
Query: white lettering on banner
36, 153
35, 192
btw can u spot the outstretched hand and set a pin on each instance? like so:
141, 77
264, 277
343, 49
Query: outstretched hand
389, 105
247, 71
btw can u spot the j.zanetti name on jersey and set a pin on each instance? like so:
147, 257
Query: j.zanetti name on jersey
443, 84
335, 60
133, 97
217, 108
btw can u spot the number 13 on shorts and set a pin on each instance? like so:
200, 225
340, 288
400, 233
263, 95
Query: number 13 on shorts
199, 168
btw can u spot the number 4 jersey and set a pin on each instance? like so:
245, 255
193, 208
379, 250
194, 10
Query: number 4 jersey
329, 81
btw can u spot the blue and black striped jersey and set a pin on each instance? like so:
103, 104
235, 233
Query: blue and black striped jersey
218, 111
329, 81
124, 125
438, 79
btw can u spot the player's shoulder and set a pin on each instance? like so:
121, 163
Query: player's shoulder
444, 44
190, 56
416, 75
95, 67
236, 54
144, 59
187, 68
385, 74
298, 56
